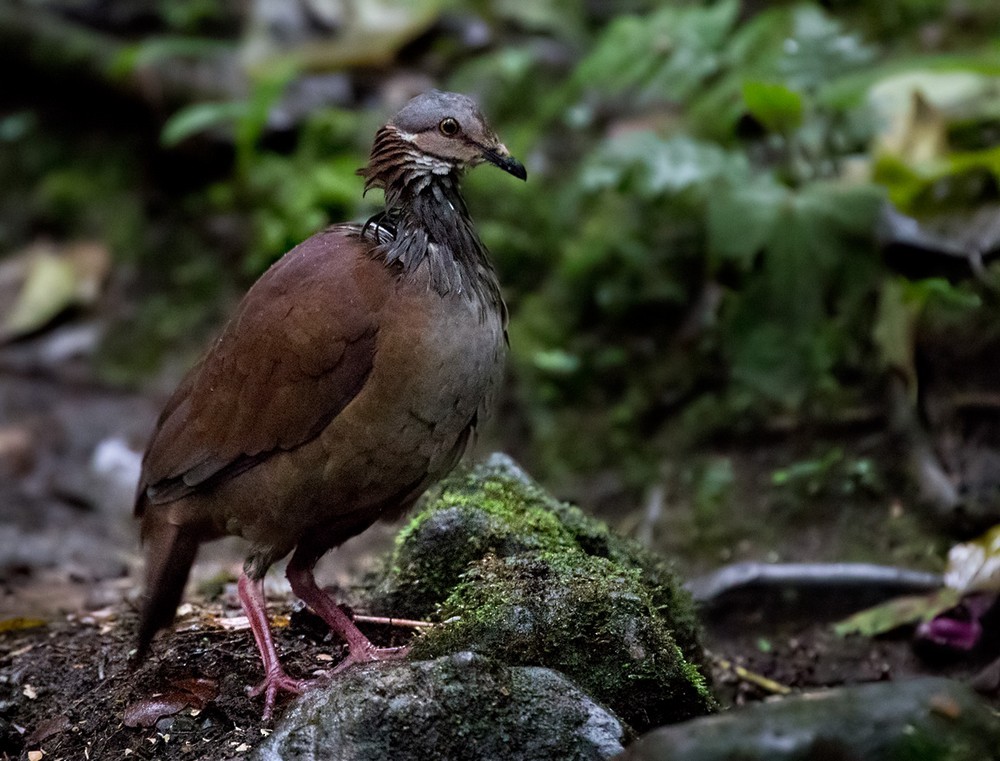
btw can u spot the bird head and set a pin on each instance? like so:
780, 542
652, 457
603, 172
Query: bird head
449, 127
437, 133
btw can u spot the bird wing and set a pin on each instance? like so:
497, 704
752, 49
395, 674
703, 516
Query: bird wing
298, 349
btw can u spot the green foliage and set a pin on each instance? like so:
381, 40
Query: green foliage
667, 54
777, 107
82, 191
695, 250
830, 474
153, 49
290, 197
710, 238
713, 495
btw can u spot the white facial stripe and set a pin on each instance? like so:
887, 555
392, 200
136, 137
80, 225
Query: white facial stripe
433, 163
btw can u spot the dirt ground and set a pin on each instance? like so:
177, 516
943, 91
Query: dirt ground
67, 687
70, 564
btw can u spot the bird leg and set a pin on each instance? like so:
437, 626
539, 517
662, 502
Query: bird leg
359, 648
275, 679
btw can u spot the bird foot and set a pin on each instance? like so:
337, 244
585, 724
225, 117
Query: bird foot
370, 654
277, 681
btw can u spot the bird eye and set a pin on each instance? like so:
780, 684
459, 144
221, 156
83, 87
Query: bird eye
449, 127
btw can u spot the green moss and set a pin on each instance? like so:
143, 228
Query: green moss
582, 615
530, 580
467, 517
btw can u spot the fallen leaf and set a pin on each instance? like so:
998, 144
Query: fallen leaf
201, 690
20, 623
148, 711
47, 728
900, 611
920, 135
193, 692
44, 280
233, 623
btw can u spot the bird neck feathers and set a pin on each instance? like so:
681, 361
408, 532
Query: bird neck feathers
426, 220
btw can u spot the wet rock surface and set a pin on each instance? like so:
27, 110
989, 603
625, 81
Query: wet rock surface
928, 719
457, 706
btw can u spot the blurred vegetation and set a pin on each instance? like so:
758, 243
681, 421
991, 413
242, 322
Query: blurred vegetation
696, 249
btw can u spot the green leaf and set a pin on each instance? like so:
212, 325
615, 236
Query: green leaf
901, 611
774, 105
652, 167
818, 50
200, 117
20, 623
556, 361
268, 88
740, 219
154, 50
784, 333
667, 54
895, 323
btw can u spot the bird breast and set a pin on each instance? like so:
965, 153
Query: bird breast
438, 361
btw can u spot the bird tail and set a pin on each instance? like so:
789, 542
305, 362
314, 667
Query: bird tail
171, 554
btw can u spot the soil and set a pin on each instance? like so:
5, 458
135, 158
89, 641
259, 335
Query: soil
70, 569
70, 690
66, 687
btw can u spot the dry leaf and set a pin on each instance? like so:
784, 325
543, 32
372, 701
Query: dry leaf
39, 283
193, 692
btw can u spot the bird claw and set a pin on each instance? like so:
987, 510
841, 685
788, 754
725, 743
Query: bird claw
277, 681
370, 654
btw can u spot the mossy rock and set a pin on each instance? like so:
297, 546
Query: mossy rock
528, 580
583, 616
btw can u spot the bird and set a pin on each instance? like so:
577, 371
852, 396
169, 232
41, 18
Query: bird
349, 379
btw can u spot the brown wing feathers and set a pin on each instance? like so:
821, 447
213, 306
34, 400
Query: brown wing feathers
278, 374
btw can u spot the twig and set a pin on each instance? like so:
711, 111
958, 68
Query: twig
768, 685
404, 623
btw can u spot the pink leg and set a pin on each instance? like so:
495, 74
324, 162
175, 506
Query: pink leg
360, 649
275, 678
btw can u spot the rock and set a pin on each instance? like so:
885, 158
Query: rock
927, 719
458, 706
530, 581
496, 508
585, 617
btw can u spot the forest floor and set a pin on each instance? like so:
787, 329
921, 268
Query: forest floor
70, 568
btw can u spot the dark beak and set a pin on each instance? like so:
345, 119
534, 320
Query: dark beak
501, 157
